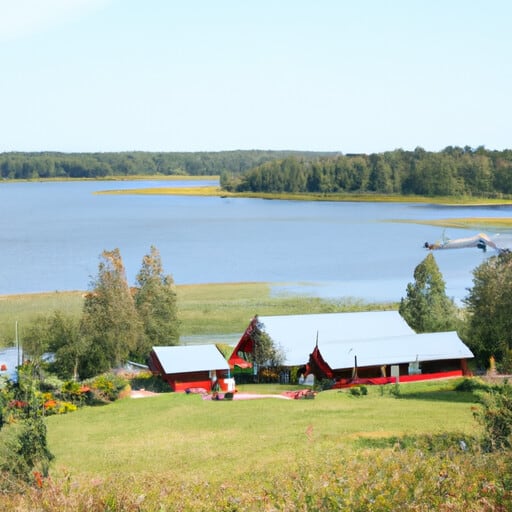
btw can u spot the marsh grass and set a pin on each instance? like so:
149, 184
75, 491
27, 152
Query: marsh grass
341, 196
24, 308
464, 223
214, 309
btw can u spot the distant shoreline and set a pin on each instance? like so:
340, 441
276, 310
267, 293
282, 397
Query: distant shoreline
209, 191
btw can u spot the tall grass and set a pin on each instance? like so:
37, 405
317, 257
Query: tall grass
465, 222
24, 308
310, 196
203, 309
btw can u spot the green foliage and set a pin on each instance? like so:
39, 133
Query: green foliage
100, 165
318, 462
471, 385
451, 172
110, 322
23, 431
496, 418
489, 303
358, 391
156, 305
426, 307
266, 355
150, 382
108, 386
24, 450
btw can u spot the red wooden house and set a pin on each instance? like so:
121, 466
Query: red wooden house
191, 366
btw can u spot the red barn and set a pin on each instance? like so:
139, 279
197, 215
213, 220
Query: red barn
191, 366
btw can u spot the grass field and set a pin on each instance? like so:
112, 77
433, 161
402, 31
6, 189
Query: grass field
192, 438
338, 452
203, 309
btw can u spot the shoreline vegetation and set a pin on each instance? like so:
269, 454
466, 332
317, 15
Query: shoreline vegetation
210, 191
469, 222
213, 309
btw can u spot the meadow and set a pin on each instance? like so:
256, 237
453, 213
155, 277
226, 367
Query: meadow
409, 448
214, 309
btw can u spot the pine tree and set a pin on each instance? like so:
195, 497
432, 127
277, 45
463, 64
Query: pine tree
156, 304
109, 321
426, 307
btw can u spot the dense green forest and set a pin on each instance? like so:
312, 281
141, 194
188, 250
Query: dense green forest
453, 171
100, 165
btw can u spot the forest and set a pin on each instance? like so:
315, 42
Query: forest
453, 171
45, 165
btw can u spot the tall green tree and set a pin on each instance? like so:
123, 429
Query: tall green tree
156, 304
59, 334
68, 344
265, 352
489, 307
110, 322
426, 308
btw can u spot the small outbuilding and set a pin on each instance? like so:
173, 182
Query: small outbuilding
186, 367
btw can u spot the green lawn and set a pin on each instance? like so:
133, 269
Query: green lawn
192, 438
385, 451
379, 452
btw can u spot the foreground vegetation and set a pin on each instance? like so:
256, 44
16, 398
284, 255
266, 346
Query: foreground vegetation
415, 447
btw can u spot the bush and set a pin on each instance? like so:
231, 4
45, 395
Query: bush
496, 418
358, 391
150, 382
107, 387
470, 385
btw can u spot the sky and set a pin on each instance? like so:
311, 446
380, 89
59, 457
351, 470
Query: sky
212, 75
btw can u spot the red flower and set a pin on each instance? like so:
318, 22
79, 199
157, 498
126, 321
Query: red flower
38, 477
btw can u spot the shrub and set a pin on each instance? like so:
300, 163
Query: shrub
107, 387
150, 382
470, 385
326, 384
358, 391
496, 418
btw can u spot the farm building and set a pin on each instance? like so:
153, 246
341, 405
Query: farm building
342, 346
191, 366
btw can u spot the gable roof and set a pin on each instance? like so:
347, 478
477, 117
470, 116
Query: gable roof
395, 350
190, 358
296, 335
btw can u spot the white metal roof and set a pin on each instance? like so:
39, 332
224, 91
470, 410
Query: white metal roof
394, 350
296, 334
190, 358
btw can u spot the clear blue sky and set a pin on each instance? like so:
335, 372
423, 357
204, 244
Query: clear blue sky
210, 75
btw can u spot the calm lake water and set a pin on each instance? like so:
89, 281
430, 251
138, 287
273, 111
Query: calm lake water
52, 235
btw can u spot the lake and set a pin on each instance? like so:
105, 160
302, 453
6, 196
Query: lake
52, 235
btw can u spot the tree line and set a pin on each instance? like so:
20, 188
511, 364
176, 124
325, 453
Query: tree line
453, 171
43, 165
